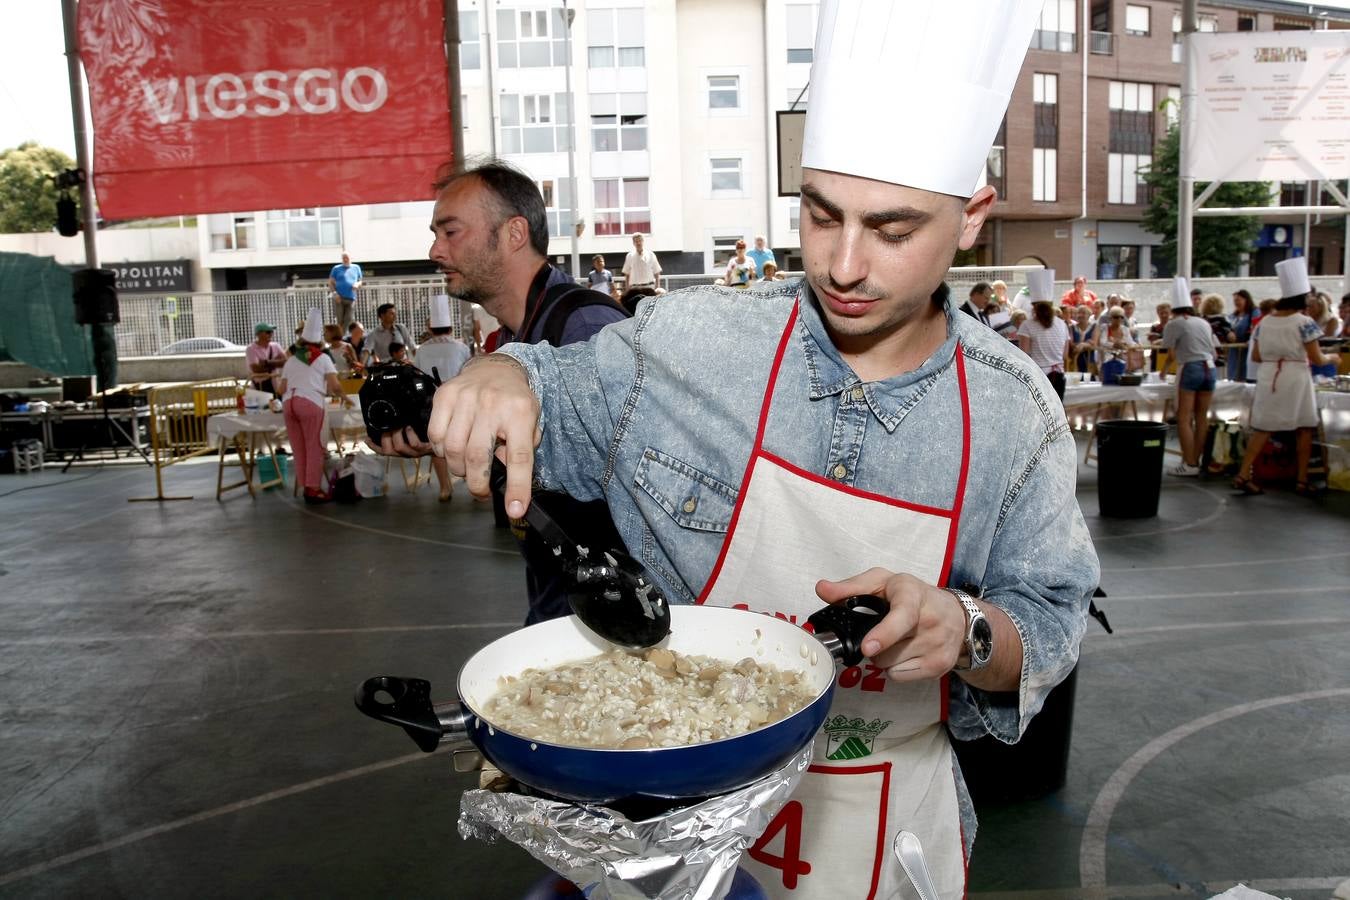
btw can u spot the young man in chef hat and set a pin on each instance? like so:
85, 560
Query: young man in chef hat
441, 357
822, 442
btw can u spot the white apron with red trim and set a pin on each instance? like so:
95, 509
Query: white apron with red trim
882, 760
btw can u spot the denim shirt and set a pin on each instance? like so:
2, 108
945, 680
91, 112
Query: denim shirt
665, 407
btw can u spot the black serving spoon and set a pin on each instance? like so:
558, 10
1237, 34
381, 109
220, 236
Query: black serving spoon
608, 590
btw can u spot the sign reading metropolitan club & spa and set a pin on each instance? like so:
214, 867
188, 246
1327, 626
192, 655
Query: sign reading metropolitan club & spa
202, 106
1270, 106
153, 277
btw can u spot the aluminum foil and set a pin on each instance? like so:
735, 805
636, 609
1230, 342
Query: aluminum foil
687, 854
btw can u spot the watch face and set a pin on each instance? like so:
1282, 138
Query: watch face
981, 641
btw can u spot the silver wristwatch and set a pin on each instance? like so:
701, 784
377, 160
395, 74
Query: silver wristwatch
979, 634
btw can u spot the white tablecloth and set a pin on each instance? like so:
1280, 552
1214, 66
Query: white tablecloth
227, 425
1333, 400
1092, 393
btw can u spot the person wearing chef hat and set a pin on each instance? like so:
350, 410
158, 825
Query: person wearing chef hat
307, 377
441, 357
1192, 346
1285, 342
1045, 338
822, 443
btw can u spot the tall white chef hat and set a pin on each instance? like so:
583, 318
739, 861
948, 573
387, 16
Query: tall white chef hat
313, 332
440, 311
913, 93
1293, 274
1041, 285
1181, 293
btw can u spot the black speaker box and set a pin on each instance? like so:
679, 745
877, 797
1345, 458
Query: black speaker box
96, 297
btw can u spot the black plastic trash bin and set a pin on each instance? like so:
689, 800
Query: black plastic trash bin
1035, 766
1129, 467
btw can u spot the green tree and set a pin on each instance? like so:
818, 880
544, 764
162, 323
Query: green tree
1217, 244
27, 192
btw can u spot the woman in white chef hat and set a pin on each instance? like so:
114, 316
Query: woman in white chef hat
309, 375
1285, 342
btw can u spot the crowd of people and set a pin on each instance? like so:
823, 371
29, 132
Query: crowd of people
311, 369
1196, 334
1105, 330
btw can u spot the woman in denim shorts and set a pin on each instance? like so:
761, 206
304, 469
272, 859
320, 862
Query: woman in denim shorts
1192, 343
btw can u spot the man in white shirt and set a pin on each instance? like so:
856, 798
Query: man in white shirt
641, 269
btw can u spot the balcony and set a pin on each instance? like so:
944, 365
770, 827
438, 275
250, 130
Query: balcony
1056, 41
1102, 43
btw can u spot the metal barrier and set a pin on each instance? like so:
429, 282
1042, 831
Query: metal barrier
178, 415
151, 322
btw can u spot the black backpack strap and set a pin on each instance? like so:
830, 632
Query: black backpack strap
563, 299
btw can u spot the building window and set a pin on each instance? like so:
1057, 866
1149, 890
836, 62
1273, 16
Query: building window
801, 32
615, 37
1058, 27
1136, 19
1130, 147
557, 194
724, 248
996, 165
311, 227
726, 174
622, 206
724, 92
534, 123
1124, 183
1045, 155
795, 214
531, 38
1044, 174
1246, 23
470, 56
1282, 24
232, 231
618, 122
1202, 24
1117, 261
1172, 106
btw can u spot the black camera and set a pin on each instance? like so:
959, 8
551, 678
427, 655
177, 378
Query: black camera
397, 396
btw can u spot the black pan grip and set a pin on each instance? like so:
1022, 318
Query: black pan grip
538, 517
849, 620
411, 708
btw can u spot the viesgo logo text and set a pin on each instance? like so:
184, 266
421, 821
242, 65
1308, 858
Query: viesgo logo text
225, 95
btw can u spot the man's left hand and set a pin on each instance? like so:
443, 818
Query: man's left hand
923, 634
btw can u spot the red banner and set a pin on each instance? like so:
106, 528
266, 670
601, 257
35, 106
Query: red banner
204, 106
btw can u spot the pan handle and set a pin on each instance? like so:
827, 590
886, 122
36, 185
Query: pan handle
842, 626
411, 709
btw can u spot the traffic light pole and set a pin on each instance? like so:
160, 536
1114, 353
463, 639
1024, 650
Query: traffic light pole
101, 334
90, 223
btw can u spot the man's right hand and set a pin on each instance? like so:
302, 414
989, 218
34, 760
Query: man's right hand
488, 408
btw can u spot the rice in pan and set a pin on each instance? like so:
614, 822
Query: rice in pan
625, 701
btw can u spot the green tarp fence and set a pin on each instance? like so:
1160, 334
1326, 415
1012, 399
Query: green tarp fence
37, 317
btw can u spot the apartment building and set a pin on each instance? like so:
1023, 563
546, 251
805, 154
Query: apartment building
1090, 100
671, 120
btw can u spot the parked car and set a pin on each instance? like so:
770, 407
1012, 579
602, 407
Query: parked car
199, 345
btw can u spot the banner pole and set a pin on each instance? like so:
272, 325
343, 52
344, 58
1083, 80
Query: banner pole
452, 81
1185, 183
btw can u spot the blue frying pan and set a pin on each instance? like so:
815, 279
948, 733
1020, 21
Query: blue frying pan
591, 775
